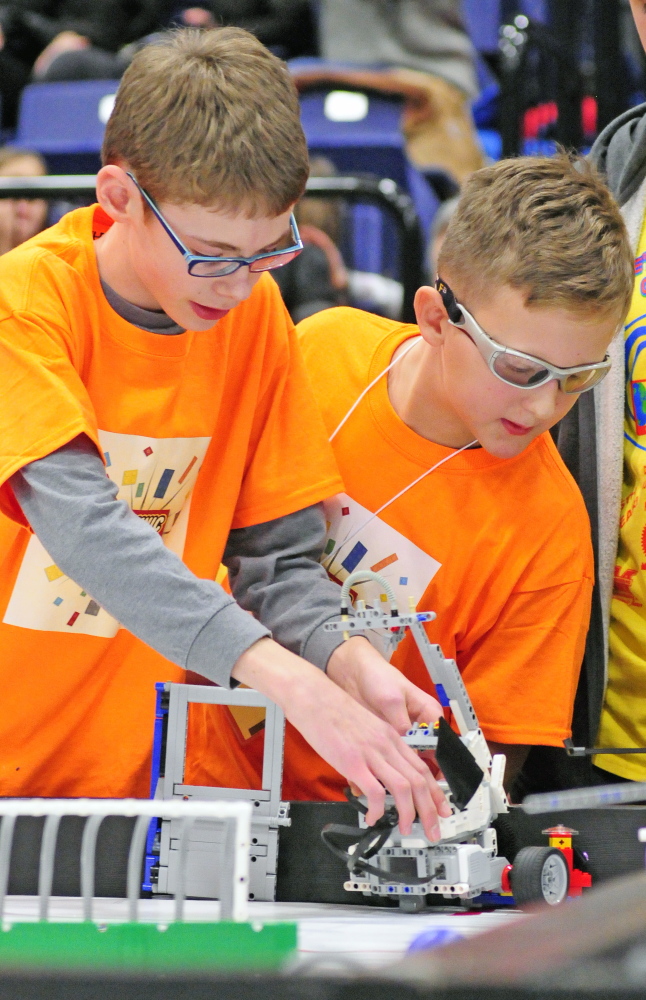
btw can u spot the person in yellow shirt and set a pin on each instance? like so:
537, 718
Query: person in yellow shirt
604, 444
623, 720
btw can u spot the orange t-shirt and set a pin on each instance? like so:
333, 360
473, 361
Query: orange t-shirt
202, 432
499, 549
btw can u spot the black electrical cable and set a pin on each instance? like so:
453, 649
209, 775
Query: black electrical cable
369, 841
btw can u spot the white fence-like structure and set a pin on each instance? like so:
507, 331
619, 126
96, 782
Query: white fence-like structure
235, 817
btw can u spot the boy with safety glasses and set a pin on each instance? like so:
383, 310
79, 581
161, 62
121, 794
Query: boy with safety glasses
454, 488
157, 420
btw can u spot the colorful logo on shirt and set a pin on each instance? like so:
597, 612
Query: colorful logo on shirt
639, 269
157, 519
636, 378
155, 477
622, 584
638, 391
356, 539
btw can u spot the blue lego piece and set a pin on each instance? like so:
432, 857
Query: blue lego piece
161, 713
493, 899
442, 696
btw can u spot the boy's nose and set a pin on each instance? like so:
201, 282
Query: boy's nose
236, 286
541, 402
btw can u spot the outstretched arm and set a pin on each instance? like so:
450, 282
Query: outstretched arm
365, 749
275, 573
122, 562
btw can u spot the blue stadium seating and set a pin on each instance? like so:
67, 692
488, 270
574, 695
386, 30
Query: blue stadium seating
371, 145
371, 141
482, 19
65, 122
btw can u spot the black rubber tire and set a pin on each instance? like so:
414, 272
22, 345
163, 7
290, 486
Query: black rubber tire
539, 875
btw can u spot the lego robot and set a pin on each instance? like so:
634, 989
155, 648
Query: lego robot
465, 863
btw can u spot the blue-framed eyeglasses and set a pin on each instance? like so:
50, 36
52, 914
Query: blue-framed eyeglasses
217, 267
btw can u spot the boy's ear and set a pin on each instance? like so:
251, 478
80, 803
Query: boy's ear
430, 313
116, 193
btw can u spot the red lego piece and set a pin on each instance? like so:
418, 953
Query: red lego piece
579, 881
561, 837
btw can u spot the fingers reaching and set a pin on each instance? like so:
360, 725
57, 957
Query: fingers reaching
421, 706
413, 787
375, 793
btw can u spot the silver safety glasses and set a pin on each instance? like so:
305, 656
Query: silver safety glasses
524, 371
217, 267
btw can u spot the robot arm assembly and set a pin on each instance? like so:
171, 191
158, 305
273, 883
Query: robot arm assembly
464, 863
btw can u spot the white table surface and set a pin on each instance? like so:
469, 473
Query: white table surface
327, 933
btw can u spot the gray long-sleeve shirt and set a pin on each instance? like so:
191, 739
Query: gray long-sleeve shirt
426, 35
274, 567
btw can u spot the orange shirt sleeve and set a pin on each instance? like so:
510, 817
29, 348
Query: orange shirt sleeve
290, 463
44, 402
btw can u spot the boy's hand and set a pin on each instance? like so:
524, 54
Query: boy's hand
362, 672
365, 749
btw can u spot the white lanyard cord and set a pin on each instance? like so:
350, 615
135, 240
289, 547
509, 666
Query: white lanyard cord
397, 496
410, 485
374, 382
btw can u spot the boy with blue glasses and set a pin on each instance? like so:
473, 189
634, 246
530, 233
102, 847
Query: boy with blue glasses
219, 267
454, 489
156, 421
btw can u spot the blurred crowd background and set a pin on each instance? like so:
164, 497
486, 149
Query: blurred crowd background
401, 101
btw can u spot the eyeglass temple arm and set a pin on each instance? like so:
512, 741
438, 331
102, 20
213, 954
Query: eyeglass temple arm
450, 304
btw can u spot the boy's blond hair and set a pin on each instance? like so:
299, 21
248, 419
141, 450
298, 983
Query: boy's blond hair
546, 225
210, 118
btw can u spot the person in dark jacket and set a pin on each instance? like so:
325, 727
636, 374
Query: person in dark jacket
285, 26
85, 50
34, 34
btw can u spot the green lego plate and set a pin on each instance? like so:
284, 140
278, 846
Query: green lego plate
190, 946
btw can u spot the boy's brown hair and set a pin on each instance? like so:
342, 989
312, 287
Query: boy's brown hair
545, 225
210, 118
